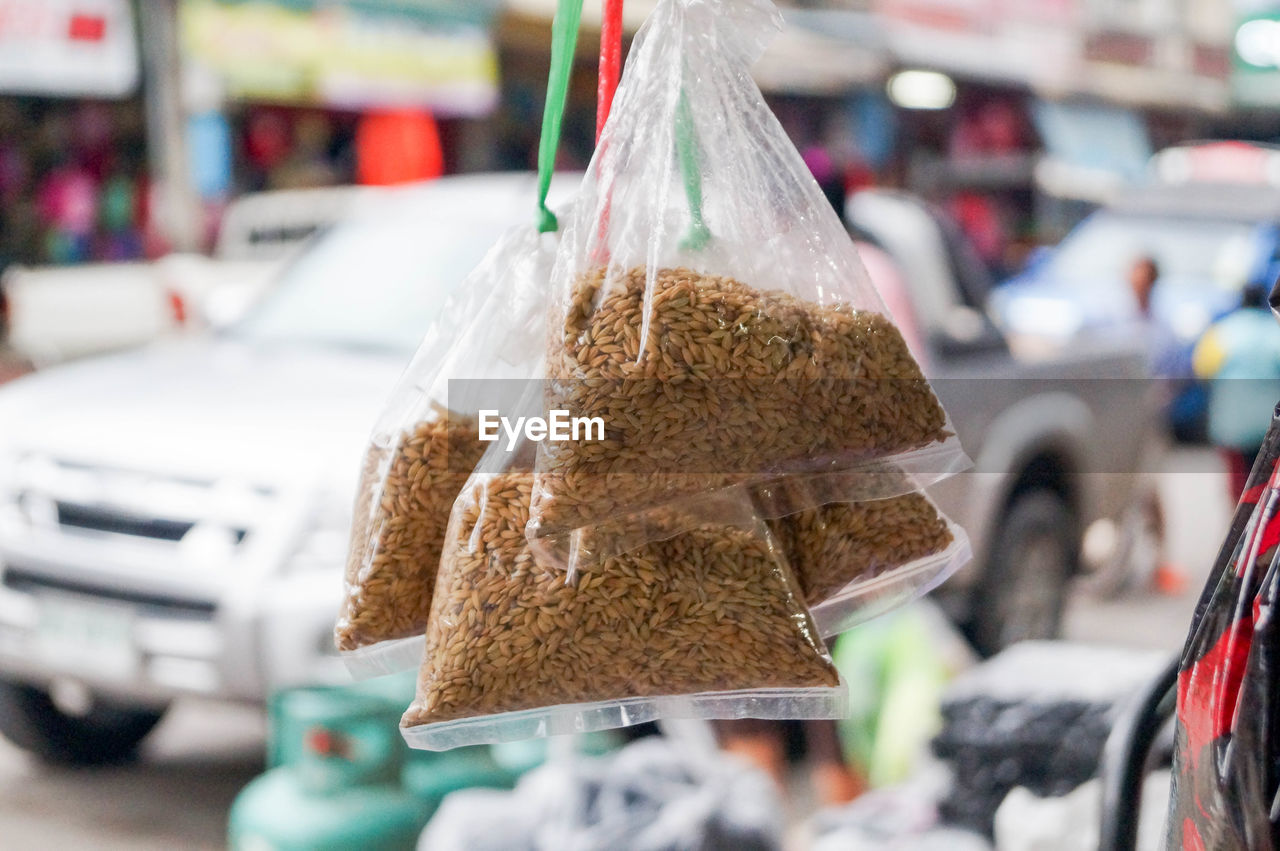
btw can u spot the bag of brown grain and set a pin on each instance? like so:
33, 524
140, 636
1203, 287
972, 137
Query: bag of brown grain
708, 305
855, 553
857, 560
426, 443
707, 622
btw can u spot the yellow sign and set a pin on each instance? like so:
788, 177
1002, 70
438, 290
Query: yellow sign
341, 55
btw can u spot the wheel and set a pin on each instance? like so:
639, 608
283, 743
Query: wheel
104, 733
1023, 590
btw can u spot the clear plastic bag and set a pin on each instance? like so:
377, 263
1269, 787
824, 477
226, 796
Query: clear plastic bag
709, 306
426, 443
706, 622
855, 560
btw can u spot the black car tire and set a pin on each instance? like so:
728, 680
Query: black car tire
105, 734
1022, 592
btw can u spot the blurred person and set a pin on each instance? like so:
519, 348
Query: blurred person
1164, 358
1143, 275
1239, 356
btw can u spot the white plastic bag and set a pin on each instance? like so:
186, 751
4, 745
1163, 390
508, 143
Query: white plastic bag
653, 795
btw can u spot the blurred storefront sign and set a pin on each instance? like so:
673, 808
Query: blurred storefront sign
1033, 42
1255, 56
1166, 70
72, 48
355, 54
1068, 47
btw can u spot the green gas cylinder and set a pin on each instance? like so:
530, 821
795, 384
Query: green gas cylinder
340, 776
339, 784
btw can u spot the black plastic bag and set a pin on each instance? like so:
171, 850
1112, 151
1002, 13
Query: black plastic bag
1225, 759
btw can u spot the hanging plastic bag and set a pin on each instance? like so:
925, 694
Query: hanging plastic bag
425, 445
857, 560
706, 622
1226, 769
426, 442
709, 306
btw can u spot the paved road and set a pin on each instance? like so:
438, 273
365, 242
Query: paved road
177, 795
1197, 512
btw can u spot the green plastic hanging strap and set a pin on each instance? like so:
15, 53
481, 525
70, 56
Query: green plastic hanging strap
564, 43
690, 169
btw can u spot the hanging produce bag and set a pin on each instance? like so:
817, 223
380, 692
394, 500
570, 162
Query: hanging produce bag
857, 560
424, 446
710, 309
1226, 771
704, 622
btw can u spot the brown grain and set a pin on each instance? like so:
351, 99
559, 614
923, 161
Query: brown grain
833, 546
710, 609
402, 509
732, 383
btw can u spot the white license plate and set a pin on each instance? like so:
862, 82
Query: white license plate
92, 638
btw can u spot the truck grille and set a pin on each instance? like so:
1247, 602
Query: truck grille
105, 520
28, 582
76, 498
98, 519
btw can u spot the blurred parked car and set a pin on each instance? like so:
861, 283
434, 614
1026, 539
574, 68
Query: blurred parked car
1047, 435
1210, 219
173, 520
56, 314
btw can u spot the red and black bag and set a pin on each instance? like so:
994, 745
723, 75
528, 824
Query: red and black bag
1225, 758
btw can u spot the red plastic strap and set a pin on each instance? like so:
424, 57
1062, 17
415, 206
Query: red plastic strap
608, 73
610, 61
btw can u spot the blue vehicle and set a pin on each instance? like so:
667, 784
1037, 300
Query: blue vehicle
1210, 219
